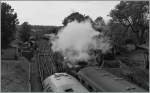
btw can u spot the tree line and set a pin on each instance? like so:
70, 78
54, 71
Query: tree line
128, 23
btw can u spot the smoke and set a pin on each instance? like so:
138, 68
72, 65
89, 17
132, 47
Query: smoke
77, 39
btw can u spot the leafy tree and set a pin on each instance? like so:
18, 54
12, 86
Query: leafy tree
99, 23
25, 32
117, 33
8, 24
75, 16
131, 14
89, 18
130, 22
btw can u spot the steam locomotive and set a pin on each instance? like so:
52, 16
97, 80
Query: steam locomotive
82, 77
92, 79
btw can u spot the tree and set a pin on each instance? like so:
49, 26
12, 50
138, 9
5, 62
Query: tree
8, 24
99, 23
75, 16
131, 14
25, 32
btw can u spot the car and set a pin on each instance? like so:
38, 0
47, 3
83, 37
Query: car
62, 82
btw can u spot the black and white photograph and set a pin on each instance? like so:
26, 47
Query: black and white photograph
74, 46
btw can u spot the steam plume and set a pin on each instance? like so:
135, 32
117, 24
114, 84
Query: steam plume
76, 39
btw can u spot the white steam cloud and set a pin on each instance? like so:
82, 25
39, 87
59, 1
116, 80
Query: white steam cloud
76, 39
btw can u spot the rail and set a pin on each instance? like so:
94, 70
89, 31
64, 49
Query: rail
47, 62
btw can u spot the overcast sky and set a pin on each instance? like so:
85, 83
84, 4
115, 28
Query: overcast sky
53, 12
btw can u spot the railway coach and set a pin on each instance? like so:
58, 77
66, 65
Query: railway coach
62, 82
98, 80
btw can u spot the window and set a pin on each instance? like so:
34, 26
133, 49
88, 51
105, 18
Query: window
69, 90
82, 81
90, 89
49, 89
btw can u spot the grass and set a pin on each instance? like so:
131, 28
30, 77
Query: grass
14, 76
8, 53
138, 76
132, 69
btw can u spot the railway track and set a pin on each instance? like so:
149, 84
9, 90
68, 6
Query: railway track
47, 62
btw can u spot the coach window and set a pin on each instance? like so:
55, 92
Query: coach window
69, 90
49, 89
82, 81
90, 89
